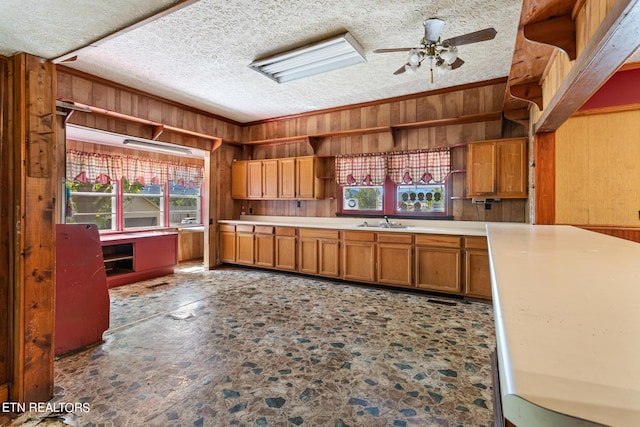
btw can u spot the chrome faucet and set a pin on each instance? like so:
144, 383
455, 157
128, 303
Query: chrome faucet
386, 218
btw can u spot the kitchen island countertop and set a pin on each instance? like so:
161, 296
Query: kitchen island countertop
567, 325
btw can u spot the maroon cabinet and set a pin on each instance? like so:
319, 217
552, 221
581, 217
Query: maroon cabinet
133, 257
82, 297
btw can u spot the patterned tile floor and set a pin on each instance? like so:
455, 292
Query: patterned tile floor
258, 348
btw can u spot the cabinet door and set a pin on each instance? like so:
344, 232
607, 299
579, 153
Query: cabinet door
254, 180
477, 274
358, 260
306, 177
511, 162
481, 169
227, 246
239, 180
329, 258
286, 253
244, 248
308, 259
287, 179
438, 269
264, 250
394, 264
270, 179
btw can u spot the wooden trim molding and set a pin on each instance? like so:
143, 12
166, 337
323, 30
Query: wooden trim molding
627, 233
545, 178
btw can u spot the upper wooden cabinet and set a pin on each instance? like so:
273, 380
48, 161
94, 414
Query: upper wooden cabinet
239, 179
497, 168
270, 178
254, 180
289, 178
308, 185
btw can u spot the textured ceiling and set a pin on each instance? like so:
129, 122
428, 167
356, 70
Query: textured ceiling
198, 55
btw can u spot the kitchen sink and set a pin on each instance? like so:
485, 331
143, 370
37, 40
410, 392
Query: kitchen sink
385, 225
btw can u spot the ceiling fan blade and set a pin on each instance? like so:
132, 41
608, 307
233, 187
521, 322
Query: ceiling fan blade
397, 49
432, 29
475, 37
400, 70
457, 63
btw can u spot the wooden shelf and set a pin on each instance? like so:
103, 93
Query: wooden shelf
313, 139
112, 258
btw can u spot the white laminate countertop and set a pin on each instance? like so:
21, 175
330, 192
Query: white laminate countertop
567, 313
462, 228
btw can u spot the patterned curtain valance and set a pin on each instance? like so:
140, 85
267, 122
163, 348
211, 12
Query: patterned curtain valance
102, 168
419, 166
369, 169
406, 167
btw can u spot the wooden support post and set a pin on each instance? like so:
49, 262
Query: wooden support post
33, 192
545, 178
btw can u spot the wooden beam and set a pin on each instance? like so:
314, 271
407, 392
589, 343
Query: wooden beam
69, 56
615, 40
558, 31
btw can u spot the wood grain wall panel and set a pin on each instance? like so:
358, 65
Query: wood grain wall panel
606, 146
95, 92
632, 234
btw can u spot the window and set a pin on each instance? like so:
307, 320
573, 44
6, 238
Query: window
92, 203
148, 193
184, 204
142, 205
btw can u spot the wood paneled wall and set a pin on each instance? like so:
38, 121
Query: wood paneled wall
79, 87
441, 104
598, 170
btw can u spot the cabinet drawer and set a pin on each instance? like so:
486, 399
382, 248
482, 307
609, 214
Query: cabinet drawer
263, 229
285, 231
439, 240
361, 236
228, 228
395, 238
244, 228
319, 233
473, 242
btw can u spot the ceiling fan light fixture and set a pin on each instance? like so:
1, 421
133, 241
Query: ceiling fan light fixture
326, 55
415, 57
449, 54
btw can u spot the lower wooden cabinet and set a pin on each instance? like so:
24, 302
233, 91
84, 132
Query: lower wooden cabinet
358, 256
227, 243
477, 277
264, 246
441, 263
244, 244
438, 263
329, 258
394, 259
285, 248
319, 252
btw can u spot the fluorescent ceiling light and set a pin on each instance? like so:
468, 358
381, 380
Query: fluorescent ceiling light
326, 55
156, 147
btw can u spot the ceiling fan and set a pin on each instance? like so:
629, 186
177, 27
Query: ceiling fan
443, 55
